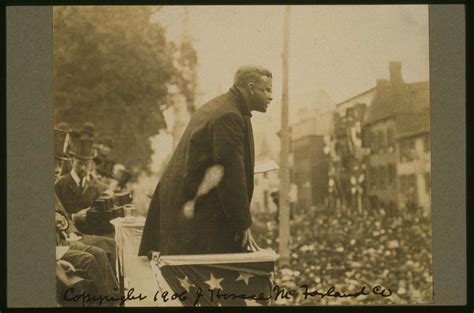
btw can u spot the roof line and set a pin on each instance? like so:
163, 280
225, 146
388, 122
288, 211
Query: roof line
369, 90
414, 133
353, 97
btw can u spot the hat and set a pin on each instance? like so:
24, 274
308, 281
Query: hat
104, 203
59, 144
122, 198
105, 168
122, 176
62, 126
88, 129
74, 134
107, 141
81, 148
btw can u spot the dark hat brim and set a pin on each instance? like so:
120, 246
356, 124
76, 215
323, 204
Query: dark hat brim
63, 157
84, 157
87, 132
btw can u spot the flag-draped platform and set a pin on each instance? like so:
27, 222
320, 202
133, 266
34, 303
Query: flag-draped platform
233, 279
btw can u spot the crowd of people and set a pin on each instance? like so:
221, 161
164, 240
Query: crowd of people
341, 249
84, 172
348, 250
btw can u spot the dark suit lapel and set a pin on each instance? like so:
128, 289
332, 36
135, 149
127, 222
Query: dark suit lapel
251, 156
72, 186
251, 141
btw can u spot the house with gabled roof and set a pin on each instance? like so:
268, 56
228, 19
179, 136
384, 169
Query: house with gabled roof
397, 133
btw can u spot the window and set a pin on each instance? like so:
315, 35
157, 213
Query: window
392, 173
407, 183
373, 142
390, 138
407, 149
428, 182
365, 138
427, 143
381, 136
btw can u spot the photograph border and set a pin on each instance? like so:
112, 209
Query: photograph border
29, 136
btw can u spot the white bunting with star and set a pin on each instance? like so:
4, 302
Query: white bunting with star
245, 277
214, 283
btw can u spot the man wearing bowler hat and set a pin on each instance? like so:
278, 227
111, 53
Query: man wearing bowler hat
88, 131
77, 190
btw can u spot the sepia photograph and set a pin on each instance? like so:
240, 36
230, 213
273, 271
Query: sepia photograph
250, 155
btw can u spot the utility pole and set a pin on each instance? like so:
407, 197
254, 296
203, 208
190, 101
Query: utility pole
284, 210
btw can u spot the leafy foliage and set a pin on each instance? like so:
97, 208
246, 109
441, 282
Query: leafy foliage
112, 67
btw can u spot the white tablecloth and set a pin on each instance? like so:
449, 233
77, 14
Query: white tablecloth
127, 238
136, 270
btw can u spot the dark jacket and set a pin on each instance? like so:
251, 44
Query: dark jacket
219, 132
73, 199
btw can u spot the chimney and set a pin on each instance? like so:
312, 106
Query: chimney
382, 83
395, 69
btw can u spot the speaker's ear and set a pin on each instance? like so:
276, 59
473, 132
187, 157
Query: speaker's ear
251, 88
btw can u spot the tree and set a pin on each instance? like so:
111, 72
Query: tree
112, 67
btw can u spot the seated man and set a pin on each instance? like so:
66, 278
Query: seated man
78, 190
92, 260
68, 277
71, 234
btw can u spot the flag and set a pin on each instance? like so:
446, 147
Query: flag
232, 279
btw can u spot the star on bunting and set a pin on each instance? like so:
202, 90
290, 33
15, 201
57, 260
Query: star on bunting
214, 283
245, 277
185, 283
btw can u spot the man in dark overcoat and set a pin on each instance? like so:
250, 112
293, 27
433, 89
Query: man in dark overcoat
219, 133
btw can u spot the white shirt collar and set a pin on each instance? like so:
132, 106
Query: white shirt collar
77, 179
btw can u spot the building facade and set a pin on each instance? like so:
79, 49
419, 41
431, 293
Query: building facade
395, 133
308, 163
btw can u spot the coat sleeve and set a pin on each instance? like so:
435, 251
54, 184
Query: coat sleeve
151, 232
59, 207
228, 135
59, 188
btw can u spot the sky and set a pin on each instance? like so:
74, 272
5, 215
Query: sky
341, 50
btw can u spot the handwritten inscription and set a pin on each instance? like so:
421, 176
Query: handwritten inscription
218, 294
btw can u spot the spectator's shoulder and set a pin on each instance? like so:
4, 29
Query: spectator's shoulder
63, 180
